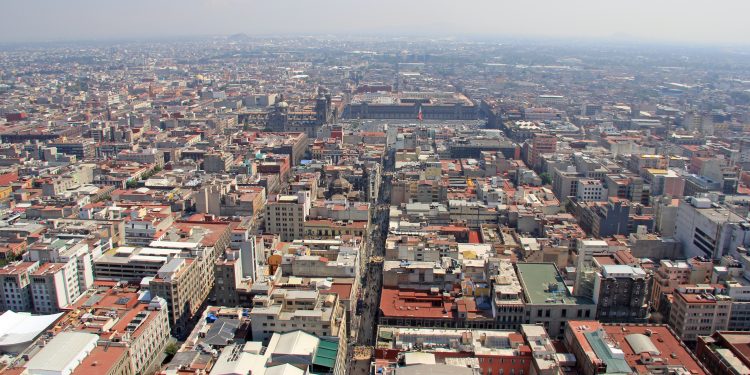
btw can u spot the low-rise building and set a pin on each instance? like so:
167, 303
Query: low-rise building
629, 348
286, 310
699, 310
547, 299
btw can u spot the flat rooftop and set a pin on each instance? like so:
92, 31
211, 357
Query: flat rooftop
543, 284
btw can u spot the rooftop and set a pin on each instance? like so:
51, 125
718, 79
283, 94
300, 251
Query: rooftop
543, 284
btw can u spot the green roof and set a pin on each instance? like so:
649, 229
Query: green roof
542, 284
326, 354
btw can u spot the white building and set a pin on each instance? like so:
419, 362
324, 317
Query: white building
62, 354
591, 190
54, 286
709, 230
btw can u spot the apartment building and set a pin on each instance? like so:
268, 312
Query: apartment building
54, 286
146, 223
547, 299
180, 282
286, 215
123, 316
541, 144
16, 291
60, 249
673, 273
699, 310
591, 190
286, 310
621, 293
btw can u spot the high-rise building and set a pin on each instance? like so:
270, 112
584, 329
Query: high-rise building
621, 293
286, 215
181, 284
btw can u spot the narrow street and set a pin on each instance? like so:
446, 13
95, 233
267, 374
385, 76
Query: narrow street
367, 320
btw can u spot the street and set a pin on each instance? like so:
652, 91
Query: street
366, 323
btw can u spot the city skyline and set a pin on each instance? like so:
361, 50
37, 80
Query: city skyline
639, 21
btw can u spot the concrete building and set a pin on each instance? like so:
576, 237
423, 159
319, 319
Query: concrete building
665, 216
408, 105
123, 317
548, 301
725, 352
346, 264
218, 162
208, 200
629, 349
286, 215
71, 177
604, 219
285, 310
698, 310
671, 274
132, 264
421, 275
16, 291
709, 230
498, 352
187, 280
591, 190
541, 144
62, 250
54, 286
507, 297
148, 156
180, 282
565, 182
621, 293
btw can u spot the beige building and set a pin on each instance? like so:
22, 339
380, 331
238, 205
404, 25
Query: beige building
285, 310
186, 281
286, 215
148, 156
67, 178
218, 162
697, 311
180, 283
15, 293
421, 275
673, 273
122, 317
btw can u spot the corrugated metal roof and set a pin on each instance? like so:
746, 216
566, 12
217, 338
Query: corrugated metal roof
326, 354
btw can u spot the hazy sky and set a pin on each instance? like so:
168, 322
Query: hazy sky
699, 21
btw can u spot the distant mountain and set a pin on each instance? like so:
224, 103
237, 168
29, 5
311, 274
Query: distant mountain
241, 37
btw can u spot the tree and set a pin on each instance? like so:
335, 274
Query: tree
171, 349
546, 180
132, 184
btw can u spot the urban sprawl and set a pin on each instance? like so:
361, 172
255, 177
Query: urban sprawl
403, 206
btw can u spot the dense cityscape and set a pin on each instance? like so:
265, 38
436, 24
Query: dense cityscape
385, 206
